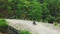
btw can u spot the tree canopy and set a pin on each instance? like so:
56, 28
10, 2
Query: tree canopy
38, 10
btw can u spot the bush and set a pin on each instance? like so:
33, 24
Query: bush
24, 32
55, 24
3, 25
3, 22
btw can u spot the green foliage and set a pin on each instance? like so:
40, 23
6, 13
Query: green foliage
3, 22
55, 24
36, 33
30, 9
24, 32
3, 25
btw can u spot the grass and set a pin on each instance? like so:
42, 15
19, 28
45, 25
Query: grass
24, 32
55, 24
3, 22
3, 25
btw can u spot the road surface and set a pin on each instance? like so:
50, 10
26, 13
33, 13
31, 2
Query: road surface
40, 28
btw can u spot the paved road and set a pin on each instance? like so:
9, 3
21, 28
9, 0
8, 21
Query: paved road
40, 28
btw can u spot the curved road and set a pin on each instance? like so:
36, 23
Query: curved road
40, 28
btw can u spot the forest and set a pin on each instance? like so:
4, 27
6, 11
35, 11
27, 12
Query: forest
38, 10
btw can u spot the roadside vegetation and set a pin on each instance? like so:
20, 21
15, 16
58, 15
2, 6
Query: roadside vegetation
25, 32
36, 10
56, 24
3, 25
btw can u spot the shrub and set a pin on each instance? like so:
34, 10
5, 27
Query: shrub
3, 22
24, 32
3, 25
55, 24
